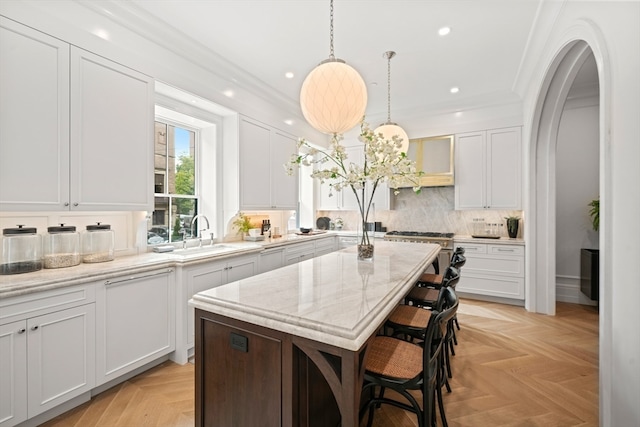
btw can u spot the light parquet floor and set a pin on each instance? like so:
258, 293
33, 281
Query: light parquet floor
512, 368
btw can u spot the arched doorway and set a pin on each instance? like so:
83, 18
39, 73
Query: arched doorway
542, 215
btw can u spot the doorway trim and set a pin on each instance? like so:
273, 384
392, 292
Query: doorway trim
577, 43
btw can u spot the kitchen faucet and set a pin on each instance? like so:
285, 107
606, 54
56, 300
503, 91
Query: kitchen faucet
199, 236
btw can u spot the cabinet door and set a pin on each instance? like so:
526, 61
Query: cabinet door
136, 322
271, 259
61, 357
34, 123
13, 373
112, 116
255, 170
241, 268
470, 177
284, 188
504, 169
200, 278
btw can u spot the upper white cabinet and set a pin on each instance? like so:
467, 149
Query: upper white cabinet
344, 199
112, 116
489, 169
76, 130
264, 183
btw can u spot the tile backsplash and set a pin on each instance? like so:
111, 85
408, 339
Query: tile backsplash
431, 210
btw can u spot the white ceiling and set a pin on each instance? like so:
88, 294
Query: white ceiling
482, 54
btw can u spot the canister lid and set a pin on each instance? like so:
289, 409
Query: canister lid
19, 230
62, 229
98, 227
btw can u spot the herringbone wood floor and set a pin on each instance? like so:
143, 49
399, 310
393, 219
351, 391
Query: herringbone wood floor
511, 368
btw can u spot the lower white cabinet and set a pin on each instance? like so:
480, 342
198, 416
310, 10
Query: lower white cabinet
212, 274
271, 258
492, 269
135, 322
47, 352
297, 252
325, 246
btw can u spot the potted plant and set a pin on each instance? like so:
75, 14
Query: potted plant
594, 212
242, 223
512, 226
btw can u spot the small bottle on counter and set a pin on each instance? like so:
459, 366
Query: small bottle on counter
21, 250
97, 243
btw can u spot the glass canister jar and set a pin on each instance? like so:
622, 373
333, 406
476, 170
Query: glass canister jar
97, 243
61, 247
21, 250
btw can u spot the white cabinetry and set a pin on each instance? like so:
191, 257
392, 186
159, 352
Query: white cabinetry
264, 183
78, 125
297, 252
345, 199
492, 269
47, 348
489, 170
135, 322
325, 246
271, 258
212, 274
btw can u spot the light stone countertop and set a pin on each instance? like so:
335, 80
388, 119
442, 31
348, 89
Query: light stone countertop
334, 299
46, 279
500, 241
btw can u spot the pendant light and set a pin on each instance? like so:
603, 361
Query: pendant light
333, 96
390, 129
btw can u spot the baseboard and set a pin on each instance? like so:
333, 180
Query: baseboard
568, 290
490, 298
58, 410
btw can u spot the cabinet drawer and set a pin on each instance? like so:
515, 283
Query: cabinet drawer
472, 248
326, 243
307, 247
494, 265
504, 287
506, 250
34, 304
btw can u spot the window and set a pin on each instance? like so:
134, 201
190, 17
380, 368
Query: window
176, 196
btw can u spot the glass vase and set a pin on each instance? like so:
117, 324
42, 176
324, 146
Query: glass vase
366, 234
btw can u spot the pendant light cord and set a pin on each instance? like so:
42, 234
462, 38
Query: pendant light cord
331, 55
388, 87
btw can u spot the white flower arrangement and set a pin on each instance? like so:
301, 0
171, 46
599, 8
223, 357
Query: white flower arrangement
383, 162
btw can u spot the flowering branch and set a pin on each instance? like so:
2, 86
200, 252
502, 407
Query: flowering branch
383, 162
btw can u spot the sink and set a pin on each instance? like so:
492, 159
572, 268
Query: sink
216, 249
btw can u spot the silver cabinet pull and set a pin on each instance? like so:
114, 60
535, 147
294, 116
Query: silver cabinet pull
22, 330
505, 250
66, 203
75, 204
34, 328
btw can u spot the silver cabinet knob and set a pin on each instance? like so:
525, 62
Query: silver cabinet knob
75, 204
34, 328
22, 330
66, 203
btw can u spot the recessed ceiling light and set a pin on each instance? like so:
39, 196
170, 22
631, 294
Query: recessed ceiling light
374, 83
103, 34
454, 90
289, 122
288, 75
444, 31
228, 93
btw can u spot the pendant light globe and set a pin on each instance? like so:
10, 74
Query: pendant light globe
333, 97
390, 129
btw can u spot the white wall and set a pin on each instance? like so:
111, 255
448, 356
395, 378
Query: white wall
612, 30
577, 183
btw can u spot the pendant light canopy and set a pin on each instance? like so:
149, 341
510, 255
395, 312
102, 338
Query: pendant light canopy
333, 97
390, 129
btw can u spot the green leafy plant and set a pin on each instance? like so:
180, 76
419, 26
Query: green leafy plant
594, 212
242, 223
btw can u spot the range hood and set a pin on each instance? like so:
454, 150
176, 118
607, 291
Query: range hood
434, 157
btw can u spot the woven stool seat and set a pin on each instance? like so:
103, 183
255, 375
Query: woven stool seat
431, 279
424, 294
394, 358
410, 316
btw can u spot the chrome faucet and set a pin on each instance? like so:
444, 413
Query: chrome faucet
199, 236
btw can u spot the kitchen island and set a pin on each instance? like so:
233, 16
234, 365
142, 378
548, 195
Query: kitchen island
287, 347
